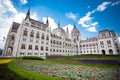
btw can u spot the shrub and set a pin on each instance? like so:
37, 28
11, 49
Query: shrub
32, 58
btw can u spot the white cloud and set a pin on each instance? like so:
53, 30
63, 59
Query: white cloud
94, 24
52, 23
86, 20
6, 5
115, 3
69, 26
8, 14
103, 6
20, 16
34, 16
23, 1
71, 15
92, 29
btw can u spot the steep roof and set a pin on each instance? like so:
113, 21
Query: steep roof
15, 26
75, 30
35, 22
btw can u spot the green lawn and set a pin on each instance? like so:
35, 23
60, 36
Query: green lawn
10, 71
29, 75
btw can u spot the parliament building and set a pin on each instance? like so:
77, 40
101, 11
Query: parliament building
34, 38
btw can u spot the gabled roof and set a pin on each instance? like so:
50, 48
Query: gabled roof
35, 22
15, 27
75, 30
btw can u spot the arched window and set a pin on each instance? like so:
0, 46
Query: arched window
37, 35
42, 48
101, 43
36, 47
47, 37
42, 37
23, 46
12, 37
32, 33
25, 32
108, 42
46, 48
30, 47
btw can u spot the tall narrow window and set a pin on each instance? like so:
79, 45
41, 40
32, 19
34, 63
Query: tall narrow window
109, 42
46, 48
37, 35
30, 47
23, 46
32, 34
25, 32
101, 43
42, 37
47, 37
42, 48
36, 47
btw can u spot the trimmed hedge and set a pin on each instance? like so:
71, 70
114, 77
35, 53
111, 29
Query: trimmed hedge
32, 58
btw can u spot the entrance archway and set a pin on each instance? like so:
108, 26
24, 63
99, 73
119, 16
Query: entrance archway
9, 52
110, 51
103, 52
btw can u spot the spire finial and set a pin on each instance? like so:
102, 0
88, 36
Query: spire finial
58, 24
74, 26
67, 30
47, 22
28, 14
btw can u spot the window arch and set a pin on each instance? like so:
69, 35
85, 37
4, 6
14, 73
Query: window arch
36, 47
42, 48
46, 48
108, 42
25, 32
37, 35
23, 46
47, 37
12, 37
30, 47
101, 43
32, 33
42, 37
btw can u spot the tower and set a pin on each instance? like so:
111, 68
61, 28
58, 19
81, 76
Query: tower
58, 24
28, 14
47, 22
75, 34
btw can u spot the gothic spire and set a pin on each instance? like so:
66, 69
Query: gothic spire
28, 14
67, 30
47, 22
58, 24
74, 26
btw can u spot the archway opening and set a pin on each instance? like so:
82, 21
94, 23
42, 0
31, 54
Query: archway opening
110, 51
103, 52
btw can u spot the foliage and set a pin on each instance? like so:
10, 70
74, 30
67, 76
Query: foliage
28, 74
71, 72
7, 74
32, 58
98, 56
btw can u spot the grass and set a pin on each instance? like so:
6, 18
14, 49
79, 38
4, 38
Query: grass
26, 74
95, 56
75, 60
9, 70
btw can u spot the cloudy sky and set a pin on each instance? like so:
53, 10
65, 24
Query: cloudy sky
89, 16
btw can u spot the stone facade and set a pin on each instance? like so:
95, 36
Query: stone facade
33, 38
